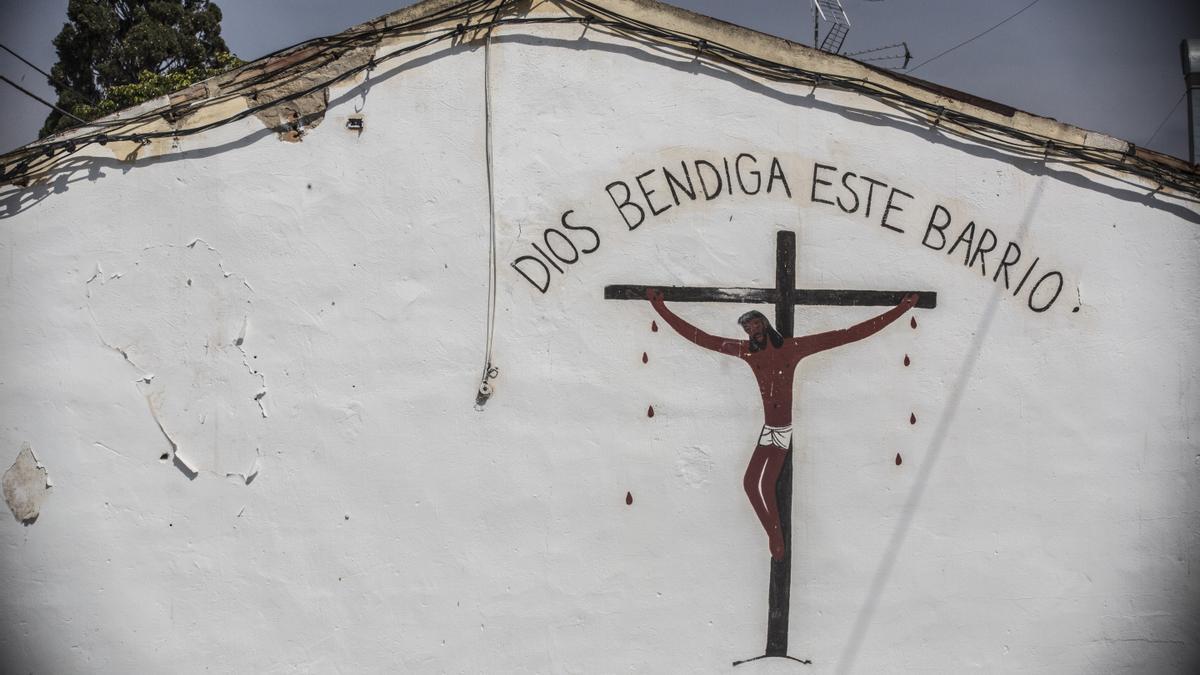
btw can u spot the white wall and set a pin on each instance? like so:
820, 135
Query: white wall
361, 516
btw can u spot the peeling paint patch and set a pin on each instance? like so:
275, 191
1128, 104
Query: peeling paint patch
183, 322
108, 448
247, 477
25, 486
291, 119
693, 465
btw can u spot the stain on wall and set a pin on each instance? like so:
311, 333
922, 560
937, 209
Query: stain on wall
25, 486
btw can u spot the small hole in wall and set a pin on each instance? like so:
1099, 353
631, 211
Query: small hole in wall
163, 457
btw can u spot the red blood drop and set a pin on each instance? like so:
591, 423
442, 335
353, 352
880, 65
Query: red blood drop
906, 361
899, 461
629, 496
912, 418
654, 326
650, 411
645, 359
913, 322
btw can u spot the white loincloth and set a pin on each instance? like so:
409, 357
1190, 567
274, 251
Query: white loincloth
780, 437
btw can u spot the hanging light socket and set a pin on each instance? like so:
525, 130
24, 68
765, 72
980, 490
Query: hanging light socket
482, 395
485, 391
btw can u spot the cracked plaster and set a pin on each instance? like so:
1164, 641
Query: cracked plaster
183, 324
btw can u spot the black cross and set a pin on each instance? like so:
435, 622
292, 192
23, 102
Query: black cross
785, 296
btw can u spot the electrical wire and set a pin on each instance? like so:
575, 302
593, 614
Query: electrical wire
53, 80
1164, 120
963, 124
484, 391
874, 49
39, 99
245, 82
336, 45
972, 39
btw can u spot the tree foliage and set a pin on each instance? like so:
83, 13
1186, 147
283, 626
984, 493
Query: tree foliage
116, 53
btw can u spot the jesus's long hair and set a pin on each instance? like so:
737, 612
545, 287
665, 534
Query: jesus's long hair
772, 334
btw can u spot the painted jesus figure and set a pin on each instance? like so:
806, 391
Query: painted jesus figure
773, 360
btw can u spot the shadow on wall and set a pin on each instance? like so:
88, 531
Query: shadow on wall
901, 120
89, 168
16, 199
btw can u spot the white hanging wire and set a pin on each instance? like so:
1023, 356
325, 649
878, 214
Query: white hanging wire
484, 391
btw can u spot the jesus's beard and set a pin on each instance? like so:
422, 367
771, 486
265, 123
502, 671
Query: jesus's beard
769, 336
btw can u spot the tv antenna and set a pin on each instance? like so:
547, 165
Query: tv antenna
833, 13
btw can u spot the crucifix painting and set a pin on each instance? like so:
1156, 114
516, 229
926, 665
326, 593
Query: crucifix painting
773, 355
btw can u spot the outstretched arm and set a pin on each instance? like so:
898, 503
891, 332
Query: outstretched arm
836, 338
687, 330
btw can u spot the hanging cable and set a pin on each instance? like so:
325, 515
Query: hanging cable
974, 38
53, 80
484, 393
1120, 163
1164, 120
39, 99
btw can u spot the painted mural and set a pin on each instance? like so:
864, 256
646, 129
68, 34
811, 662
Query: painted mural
770, 348
774, 355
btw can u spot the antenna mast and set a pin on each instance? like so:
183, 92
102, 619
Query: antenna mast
832, 12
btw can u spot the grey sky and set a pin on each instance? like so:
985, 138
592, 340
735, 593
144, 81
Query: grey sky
1107, 65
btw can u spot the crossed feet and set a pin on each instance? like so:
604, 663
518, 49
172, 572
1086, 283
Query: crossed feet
777, 546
